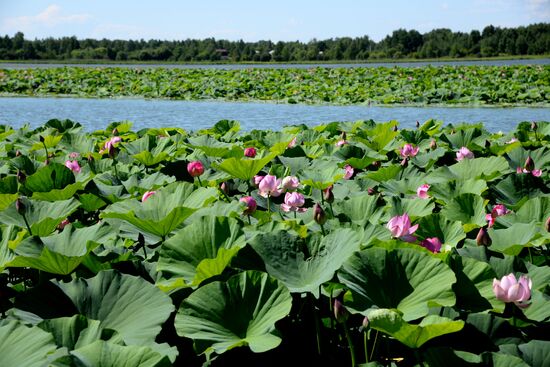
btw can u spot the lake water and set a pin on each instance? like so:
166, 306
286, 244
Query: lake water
545, 61
96, 114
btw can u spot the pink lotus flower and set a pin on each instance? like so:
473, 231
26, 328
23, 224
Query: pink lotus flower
195, 168
400, 227
433, 244
110, 144
290, 183
250, 152
535, 172
498, 210
293, 202
147, 195
349, 172
511, 141
269, 186
422, 191
74, 155
250, 203
464, 153
73, 166
339, 143
258, 179
408, 151
508, 289
292, 143
63, 224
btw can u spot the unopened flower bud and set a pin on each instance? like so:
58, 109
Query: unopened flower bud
21, 177
224, 188
487, 144
483, 238
41, 138
319, 214
343, 135
371, 191
547, 225
365, 323
341, 313
115, 132
417, 124
534, 126
377, 164
17, 153
433, 145
405, 163
395, 128
328, 195
529, 164
19, 206
112, 151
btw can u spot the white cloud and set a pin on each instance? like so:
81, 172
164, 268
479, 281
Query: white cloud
50, 17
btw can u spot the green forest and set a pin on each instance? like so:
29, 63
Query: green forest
438, 43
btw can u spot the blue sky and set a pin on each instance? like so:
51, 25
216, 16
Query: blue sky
283, 20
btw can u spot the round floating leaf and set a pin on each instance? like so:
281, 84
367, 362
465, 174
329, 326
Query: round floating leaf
413, 336
133, 307
22, 346
240, 312
101, 353
404, 278
304, 264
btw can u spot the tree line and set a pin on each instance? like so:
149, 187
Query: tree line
492, 41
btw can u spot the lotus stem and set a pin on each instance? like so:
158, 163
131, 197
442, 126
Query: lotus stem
323, 230
373, 345
27, 224
530, 255
249, 221
350, 343
295, 218
316, 321
200, 182
365, 347
268, 210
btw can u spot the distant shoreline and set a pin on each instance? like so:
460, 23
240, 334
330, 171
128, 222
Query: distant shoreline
230, 62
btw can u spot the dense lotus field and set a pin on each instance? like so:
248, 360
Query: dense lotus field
340, 244
457, 85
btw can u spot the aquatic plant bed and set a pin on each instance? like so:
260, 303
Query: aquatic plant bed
339, 244
457, 85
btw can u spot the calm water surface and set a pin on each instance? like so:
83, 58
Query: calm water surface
96, 114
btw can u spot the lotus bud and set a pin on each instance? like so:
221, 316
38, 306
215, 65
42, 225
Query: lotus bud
112, 151
21, 177
341, 313
343, 135
115, 132
18, 153
195, 168
395, 128
41, 138
405, 163
417, 124
529, 164
487, 144
328, 195
371, 191
90, 159
433, 145
224, 188
46, 162
534, 126
63, 224
547, 225
483, 238
250, 152
319, 214
19, 206
250, 203
365, 323
377, 164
